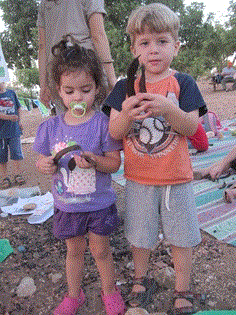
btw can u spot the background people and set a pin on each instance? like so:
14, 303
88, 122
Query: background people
83, 20
10, 132
228, 75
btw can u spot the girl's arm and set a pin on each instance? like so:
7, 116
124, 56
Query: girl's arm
109, 163
46, 165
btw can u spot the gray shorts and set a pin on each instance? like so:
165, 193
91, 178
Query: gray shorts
167, 209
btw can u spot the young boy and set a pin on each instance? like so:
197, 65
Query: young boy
10, 132
154, 127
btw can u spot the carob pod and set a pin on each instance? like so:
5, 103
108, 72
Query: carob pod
72, 163
131, 76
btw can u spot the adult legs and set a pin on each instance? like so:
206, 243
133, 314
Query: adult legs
234, 85
226, 80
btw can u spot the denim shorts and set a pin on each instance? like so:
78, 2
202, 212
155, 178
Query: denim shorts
14, 145
68, 225
167, 209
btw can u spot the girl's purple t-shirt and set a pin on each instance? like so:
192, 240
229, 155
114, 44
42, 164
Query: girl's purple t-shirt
77, 189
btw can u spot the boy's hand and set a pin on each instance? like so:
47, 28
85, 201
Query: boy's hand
155, 104
83, 162
46, 165
134, 107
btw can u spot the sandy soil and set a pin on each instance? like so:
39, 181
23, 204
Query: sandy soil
214, 271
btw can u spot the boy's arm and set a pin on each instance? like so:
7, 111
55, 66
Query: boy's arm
120, 122
185, 123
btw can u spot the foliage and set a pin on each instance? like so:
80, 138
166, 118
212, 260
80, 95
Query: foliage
18, 40
28, 77
204, 43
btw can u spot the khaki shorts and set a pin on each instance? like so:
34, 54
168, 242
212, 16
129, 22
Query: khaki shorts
170, 210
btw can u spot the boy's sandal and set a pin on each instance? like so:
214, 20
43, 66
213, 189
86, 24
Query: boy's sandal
69, 305
143, 298
19, 180
5, 183
114, 303
189, 296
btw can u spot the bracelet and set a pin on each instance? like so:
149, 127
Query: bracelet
108, 61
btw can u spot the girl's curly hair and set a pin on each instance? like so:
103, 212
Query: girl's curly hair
73, 58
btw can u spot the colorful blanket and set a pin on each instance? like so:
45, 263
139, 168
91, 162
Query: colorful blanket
215, 216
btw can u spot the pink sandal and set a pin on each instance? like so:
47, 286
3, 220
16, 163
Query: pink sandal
70, 306
114, 303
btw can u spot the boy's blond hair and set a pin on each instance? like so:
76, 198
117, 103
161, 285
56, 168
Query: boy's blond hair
157, 17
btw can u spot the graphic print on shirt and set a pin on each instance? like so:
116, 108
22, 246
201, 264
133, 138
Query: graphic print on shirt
153, 135
73, 179
7, 106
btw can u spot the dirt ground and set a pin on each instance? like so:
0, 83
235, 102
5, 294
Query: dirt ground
43, 260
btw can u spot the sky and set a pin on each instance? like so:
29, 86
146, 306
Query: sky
215, 6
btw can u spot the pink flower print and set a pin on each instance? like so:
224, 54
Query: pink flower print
59, 146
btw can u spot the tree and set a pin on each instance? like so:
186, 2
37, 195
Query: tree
18, 40
28, 77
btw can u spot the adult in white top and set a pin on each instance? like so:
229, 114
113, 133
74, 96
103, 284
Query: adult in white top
228, 74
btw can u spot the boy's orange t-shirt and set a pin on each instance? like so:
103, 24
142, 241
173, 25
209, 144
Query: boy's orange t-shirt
154, 153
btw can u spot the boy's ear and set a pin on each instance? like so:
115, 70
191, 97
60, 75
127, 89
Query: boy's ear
133, 51
58, 88
177, 47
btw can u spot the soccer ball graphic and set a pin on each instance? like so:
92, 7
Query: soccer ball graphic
151, 131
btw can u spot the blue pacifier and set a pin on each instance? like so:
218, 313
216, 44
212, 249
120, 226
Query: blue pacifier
78, 109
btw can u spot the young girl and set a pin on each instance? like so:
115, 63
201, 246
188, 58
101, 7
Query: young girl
81, 182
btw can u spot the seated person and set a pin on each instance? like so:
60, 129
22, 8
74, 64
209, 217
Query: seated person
216, 76
228, 74
215, 170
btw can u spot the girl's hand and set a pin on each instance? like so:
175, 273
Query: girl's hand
46, 165
82, 162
